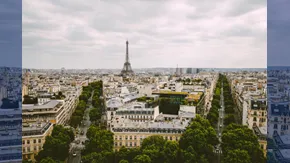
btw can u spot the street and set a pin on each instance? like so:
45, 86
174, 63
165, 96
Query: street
220, 122
76, 146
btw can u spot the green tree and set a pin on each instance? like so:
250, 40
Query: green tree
238, 137
127, 153
142, 159
95, 114
153, 146
102, 157
47, 160
201, 137
230, 118
56, 146
237, 156
75, 121
171, 152
123, 161
99, 140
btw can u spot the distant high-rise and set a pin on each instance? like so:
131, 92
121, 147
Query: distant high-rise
62, 70
189, 70
127, 70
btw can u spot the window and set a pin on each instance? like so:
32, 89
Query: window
39, 140
255, 119
275, 126
23, 142
28, 141
34, 141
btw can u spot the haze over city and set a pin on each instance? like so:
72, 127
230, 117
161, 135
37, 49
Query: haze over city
73, 34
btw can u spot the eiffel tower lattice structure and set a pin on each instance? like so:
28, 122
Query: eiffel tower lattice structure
127, 69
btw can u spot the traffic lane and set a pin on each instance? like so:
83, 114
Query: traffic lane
77, 158
74, 159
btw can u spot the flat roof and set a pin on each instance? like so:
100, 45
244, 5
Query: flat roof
170, 92
127, 123
49, 105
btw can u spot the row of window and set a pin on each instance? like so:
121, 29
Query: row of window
35, 141
143, 137
174, 131
283, 127
131, 144
134, 112
9, 142
30, 149
262, 113
259, 119
11, 157
138, 117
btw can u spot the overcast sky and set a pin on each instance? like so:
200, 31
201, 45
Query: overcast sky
10, 33
278, 33
161, 33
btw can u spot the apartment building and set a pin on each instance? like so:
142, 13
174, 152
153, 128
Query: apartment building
278, 119
137, 112
10, 138
131, 129
131, 134
53, 111
257, 113
33, 138
261, 133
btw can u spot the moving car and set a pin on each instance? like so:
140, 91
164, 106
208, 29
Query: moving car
221, 125
74, 154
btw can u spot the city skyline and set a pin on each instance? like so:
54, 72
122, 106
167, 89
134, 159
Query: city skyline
56, 36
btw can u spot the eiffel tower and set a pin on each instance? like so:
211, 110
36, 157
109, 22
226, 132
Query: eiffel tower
127, 70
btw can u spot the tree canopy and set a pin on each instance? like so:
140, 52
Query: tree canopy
56, 146
238, 139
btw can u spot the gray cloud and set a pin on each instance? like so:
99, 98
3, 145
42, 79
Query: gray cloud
92, 34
